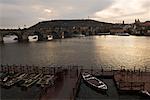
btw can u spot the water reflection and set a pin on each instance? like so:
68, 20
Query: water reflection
33, 38
127, 51
10, 38
112, 51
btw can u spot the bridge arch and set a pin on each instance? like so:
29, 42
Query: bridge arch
10, 36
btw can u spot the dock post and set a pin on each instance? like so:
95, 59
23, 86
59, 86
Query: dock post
14, 70
2, 68
37, 69
143, 86
8, 69
119, 85
139, 71
134, 68
145, 68
111, 68
54, 70
131, 85
91, 69
77, 71
102, 70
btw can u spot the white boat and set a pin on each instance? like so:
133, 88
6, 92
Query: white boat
122, 34
78, 35
47, 80
94, 82
103, 33
5, 79
31, 80
14, 80
145, 93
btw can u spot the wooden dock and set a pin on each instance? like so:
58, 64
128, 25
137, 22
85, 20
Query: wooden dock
65, 87
132, 81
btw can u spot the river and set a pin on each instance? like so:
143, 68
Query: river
95, 51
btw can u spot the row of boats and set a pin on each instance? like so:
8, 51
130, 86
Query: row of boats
26, 80
118, 34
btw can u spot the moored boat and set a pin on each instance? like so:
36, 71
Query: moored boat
122, 34
14, 80
145, 93
47, 80
78, 35
94, 82
31, 80
5, 79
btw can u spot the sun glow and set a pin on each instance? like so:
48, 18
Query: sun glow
48, 10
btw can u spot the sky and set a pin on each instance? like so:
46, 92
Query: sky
25, 13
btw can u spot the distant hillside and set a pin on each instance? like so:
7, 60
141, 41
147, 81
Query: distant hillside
69, 23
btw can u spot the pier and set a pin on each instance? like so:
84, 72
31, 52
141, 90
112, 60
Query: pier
132, 81
68, 82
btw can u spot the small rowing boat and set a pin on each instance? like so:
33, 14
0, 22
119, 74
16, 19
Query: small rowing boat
47, 80
94, 82
145, 93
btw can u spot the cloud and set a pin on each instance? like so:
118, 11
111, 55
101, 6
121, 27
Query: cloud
48, 10
14, 13
125, 10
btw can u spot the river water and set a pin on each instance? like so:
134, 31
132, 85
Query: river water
96, 51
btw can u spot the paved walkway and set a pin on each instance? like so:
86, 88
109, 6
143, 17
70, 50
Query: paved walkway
63, 89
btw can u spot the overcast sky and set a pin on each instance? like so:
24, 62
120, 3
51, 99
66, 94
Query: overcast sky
17, 13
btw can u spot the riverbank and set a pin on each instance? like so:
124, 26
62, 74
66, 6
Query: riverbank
69, 84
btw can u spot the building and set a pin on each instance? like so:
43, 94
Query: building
117, 30
140, 28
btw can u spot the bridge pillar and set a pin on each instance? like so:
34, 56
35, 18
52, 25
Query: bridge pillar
45, 37
63, 35
1, 39
23, 38
42, 37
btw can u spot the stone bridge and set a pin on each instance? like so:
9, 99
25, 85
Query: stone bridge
58, 29
57, 33
24, 33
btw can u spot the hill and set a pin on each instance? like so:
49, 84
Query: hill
69, 23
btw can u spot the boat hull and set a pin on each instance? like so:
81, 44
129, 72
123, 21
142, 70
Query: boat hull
145, 95
95, 88
96, 85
